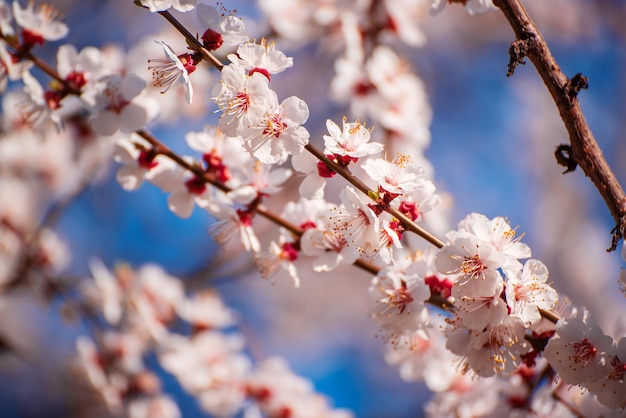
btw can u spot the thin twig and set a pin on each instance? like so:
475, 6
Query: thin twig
192, 41
585, 151
408, 224
261, 210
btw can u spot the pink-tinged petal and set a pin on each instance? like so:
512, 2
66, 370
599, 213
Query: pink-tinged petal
188, 88
133, 117
279, 176
66, 59
125, 153
296, 140
333, 129
131, 85
327, 261
184, 5
304, 162
106, 123
249, 239
232, 25
208, 15
181, 203
295, 109
312, 187
161, 5
130, 177
243, 195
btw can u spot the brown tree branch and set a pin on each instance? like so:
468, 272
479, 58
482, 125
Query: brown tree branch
584, 150
260, 209
408, 224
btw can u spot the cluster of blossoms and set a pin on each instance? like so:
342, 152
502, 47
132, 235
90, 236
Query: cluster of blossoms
141, 308
497, 324
496, 297
50, 151
497, 330
39, 168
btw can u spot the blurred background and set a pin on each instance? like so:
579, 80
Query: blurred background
492, 149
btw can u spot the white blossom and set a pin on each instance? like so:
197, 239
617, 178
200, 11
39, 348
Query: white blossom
263, 57
116, 104
357, 224
527, 293
223, 29
351, 141
161, 5
578, 351
397, 176
171, 69
278, 133
243, 100
39, 22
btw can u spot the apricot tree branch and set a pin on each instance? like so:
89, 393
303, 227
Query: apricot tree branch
584, 150
408, 224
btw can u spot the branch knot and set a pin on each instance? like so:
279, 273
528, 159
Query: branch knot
617, 233
564, 156
517, 52
575, 85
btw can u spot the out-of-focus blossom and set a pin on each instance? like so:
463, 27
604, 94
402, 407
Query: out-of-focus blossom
39, 24
263, 58
404, 20
472, 6
35, 108
210, 366
223, 29
138, 161
611, 388
9, 68
578, 352
161, 5
160, 406
206, 310
279, 392
6, 19
116, 104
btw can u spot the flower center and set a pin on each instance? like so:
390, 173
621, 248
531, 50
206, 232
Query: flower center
619, 370
473, 266
274, 126
195, 185
584, 351
399, 299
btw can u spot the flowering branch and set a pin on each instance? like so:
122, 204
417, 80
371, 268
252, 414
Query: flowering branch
160, 148
501, 311
344, 172
192, 41
584, 150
